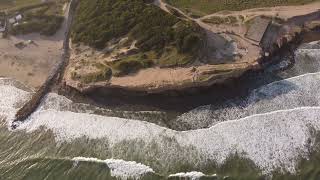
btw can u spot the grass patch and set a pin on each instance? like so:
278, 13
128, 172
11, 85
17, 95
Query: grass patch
46, 20
47, 25
131, 64
171, 58
104, 73
9, 4
213, 6
153, 28
221, 20
194, 13
161, 38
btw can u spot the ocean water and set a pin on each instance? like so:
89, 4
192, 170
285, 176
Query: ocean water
274, 127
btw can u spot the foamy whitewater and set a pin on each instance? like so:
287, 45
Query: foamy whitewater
120, 168
191, 175
274, 128
272, 140
295, 92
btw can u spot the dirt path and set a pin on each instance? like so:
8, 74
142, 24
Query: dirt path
220, 48
280, 11
162, 5
156, 78
228, 55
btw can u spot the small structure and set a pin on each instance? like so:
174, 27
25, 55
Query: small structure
18, 17
15, 24
2, 22
258, 28
12, 20
2, 26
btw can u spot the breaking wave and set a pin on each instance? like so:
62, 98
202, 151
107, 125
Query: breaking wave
274, 127
272, 140
298, 91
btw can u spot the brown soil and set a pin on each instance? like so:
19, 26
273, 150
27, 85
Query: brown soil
32, 64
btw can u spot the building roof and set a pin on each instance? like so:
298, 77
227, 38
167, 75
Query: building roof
12, 20
18, 17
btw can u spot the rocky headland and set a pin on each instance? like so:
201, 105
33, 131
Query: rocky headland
205, 55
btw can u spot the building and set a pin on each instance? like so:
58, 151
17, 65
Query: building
15, 19
18, 17
2, 24
12, 20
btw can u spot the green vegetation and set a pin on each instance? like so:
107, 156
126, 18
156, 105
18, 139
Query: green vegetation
99, 22
103, 73
194, 13
131, 64
150, 26
171, 58
45, 19
212, 6
221, 20
46, 25
8, 4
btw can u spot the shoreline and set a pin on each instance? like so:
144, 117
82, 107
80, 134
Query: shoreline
224, 86
275, 39
183, 100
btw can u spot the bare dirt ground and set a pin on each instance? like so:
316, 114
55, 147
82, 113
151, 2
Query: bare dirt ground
280, 11
156, 78
228, 52
32, 64
218, 38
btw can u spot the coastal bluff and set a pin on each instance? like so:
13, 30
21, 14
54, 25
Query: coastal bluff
132, 66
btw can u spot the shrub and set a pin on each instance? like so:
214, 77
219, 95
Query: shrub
47, 25
132, 64
102, 75
149, 25
213, 6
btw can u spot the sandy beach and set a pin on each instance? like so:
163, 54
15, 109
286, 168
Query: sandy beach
30, 65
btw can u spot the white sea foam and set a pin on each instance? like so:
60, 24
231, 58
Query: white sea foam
272, 140
68, 126
120, 168
190, 175
300, 91
10, 96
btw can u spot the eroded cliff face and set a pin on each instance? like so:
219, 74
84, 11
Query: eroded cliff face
157, 79
123, 66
